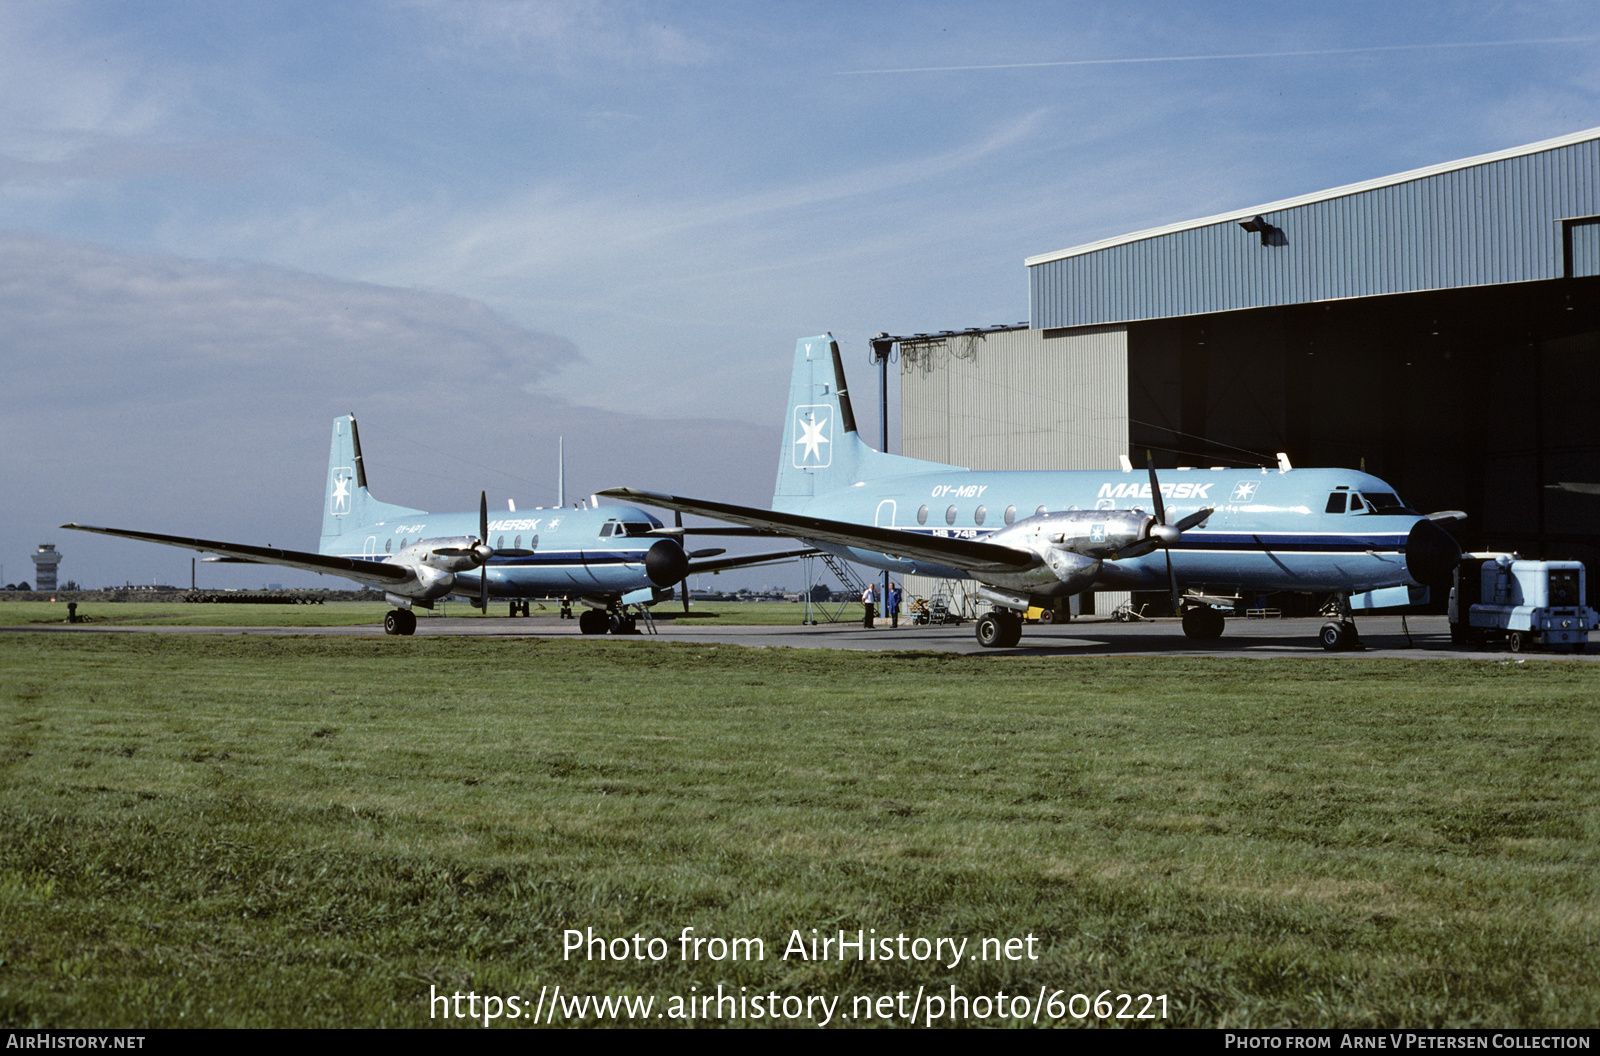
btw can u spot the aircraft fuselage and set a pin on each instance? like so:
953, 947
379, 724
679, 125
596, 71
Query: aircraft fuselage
539, 553
1270, 529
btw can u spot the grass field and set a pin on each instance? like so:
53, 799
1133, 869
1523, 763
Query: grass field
231, 831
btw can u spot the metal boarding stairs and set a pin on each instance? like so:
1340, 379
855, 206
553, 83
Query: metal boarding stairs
831, 612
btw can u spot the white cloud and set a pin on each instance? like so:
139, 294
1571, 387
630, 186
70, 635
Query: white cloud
189, 397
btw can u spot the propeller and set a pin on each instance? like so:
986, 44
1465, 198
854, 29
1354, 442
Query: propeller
1165, 534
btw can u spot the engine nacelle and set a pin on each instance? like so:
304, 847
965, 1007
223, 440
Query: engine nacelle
433, 564
1091, 533
1071, 545
461, 554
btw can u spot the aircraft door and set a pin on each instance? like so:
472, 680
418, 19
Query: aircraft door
886, 511
369, 549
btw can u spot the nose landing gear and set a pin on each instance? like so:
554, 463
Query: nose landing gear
1339, 635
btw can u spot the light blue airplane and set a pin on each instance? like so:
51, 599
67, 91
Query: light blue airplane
606, 557
1027, 537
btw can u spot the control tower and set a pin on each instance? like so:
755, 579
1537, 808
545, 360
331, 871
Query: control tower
44, 566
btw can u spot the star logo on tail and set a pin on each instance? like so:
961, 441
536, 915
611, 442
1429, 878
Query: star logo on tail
341, 491
811, 433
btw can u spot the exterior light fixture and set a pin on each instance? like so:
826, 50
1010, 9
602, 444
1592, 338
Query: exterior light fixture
1270, 235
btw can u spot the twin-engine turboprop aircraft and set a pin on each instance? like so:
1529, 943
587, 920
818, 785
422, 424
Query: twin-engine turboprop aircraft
607, 557
1029, 537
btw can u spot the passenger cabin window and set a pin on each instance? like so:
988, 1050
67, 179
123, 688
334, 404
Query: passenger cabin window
1335, 503
1011, 515
387, 543
979, 514
500, 543
950, 515
922, 515
516, 544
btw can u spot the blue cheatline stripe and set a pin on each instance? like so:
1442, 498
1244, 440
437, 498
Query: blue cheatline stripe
1324, 542
575, 558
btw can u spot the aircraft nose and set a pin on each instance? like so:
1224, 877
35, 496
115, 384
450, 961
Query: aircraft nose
1431, 555
665, 563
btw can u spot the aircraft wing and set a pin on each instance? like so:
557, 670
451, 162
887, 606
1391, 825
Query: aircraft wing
748, 560
378, 573
968, 554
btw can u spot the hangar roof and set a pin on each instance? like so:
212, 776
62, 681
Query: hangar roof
1515, 215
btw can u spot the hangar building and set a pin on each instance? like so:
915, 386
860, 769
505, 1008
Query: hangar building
1440, 326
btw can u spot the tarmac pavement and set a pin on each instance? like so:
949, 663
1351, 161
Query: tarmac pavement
1382, 636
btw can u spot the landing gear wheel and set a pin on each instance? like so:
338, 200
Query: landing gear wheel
1202, 622
1339, 637
621, 624
400, 621
591, 621
997, 630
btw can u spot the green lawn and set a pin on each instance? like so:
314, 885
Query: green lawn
232, 831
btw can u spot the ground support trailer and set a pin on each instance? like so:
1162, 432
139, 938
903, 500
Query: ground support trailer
1526, 604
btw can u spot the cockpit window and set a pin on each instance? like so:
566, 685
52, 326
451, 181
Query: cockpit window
1335, 503
1385, 502
1355, 502
638, 527
607, 528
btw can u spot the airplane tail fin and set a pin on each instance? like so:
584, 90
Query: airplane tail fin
821, 448
348, 505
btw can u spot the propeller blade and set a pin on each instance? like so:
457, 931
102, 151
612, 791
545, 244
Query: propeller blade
1172, 584
683, 586
1155, 489
1197, 517
1168, 534
483, 569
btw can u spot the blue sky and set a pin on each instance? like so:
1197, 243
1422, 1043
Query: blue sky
483, 224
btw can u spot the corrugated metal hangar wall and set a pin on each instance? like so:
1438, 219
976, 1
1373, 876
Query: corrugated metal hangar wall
1441, 326
1014, 399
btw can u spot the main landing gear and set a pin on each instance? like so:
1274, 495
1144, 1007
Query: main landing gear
616, 621
400, 621
1203, 623
999, 629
